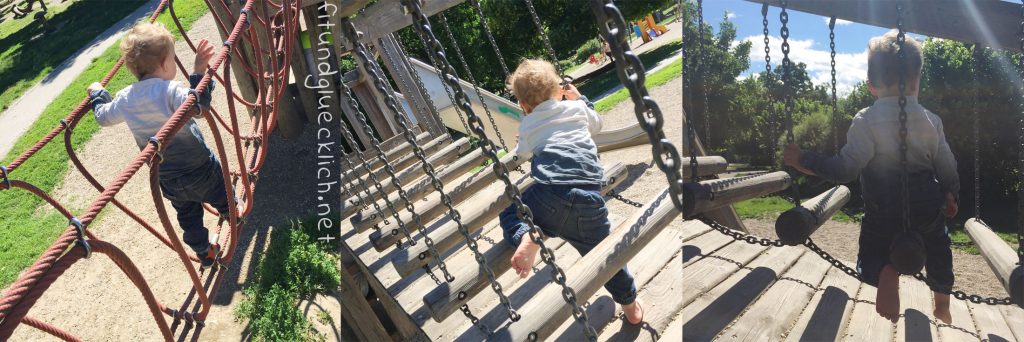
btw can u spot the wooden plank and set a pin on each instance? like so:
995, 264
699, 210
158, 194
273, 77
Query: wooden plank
394, 148
406, 328
398, 65
826, 316
963, 328
373, 110
715, 309
1000, 257
991, 23
661, 298
1014, 320
356, 309
653, 260
992, 326
865, 324
437, 158
386, 16
916, 302
770, 317
445, 232
674, 331
411, 161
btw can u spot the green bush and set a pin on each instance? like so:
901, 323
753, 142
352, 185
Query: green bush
588, 48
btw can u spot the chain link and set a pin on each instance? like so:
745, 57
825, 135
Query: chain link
769, 82
447, 89
691, 133
901, 39
473, 319
976, 65
490, 37
544, 38
1020, 157
835, 102
417, 80
616, 195
421, 25
702, 60
788, 92
472, 80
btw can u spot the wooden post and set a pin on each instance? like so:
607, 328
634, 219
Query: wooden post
475, 218
795, 225
1000, 257
326, 98
398, 65
245, 83
713, 194
357, 311
300, 59
373, 110
432, 208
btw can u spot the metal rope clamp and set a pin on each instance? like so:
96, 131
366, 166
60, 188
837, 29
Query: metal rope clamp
80, 232
7, 179
247, 14
159, 147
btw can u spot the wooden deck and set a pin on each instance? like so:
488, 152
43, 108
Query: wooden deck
695, 284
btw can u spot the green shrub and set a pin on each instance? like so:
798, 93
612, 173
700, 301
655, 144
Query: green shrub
273, 315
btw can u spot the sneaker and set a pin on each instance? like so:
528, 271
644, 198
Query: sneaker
208, 259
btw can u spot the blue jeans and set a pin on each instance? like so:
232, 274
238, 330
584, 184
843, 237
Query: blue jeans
882, 222
575, 213
187, 193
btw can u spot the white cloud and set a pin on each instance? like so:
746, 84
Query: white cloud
839, 22
851, 68
730, 15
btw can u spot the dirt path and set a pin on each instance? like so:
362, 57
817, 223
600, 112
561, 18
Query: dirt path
97, 303
27, 108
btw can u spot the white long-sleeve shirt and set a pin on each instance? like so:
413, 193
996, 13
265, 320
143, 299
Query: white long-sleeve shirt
558, 135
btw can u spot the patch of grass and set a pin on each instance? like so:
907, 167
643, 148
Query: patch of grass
654, 79
24, 231
27, 55
294, 266
762, 207
487, 162
596, 86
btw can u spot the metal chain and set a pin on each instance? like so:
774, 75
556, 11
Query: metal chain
616, 195
788, 91
901, 38
1020, 157
419, 84
975, 116
835, 102
702, 60
434, 47
368, 200
447, 89
691, 133
472, 80
350, 98
490, 36
544, 38
473, 319
768, 82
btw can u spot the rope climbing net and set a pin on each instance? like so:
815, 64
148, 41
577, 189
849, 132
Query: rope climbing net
258, 35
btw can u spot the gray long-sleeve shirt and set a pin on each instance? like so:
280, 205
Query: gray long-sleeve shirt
872, 152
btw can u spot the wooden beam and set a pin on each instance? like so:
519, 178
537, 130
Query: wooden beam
708, 195
547, 310
373, 110
394, 149
1000, 257
991, 23
245, 83
386, 16
398, 65
356, 310
409, 160
423, 187
433, 207
795, 225
483, 210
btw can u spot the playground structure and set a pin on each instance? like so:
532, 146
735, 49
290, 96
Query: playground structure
733, 285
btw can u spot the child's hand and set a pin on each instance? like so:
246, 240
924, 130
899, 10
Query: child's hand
951, 206
204, 51
569, 91
95, 86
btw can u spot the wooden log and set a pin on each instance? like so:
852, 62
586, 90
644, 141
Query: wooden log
446, 233
386, 16
708, 195
373, 110
245, 83
547, 309
398, 65
410, 160
795, 225
424, 187
356, 309
394, 148
1000, 257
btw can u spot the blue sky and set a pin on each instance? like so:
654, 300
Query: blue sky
808, 38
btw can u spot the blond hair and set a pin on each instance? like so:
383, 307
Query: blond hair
884, 60
534, 81
145, 47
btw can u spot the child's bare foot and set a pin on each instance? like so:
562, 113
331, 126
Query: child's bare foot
522, 260
887, 299
634, 312
942, 308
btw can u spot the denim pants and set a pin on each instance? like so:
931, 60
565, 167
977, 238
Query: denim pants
575, 213
187, 194
882, 223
